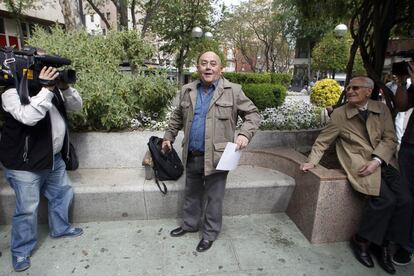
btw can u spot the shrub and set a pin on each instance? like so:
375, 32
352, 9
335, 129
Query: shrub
281, 78
265, 95
242, 78
111, 98
325, 93
247, 77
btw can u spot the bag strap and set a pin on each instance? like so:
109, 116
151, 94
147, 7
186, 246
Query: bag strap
163, 191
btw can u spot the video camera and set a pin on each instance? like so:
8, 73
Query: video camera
401, 68
28, 62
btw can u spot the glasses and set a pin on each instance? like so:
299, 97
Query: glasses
356, 87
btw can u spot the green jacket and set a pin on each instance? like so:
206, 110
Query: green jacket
227, 104
357, 142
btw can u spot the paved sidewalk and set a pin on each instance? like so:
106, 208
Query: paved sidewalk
249, 245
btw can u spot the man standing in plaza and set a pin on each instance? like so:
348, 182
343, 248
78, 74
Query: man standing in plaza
207, 112
366, 145
34, 143
404, 100
399, 118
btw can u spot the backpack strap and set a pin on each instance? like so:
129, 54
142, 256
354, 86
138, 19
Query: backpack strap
163, 191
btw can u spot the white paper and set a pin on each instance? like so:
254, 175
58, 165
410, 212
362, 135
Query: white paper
230, 158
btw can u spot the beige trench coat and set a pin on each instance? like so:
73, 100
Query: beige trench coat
357, 142
227, 103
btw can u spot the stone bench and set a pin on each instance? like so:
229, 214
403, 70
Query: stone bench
110, 185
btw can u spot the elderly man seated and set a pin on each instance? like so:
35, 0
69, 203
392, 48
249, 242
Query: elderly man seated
366, 145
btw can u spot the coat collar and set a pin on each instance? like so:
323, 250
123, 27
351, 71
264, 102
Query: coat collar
222, 84
373, 107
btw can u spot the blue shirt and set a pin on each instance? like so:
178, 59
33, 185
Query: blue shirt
197, 132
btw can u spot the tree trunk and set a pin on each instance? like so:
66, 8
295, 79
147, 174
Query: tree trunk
71, 14
82, 16
123, 14
309, 60
133, 17
150, 12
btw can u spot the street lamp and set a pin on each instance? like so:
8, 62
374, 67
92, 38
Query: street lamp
197, 32
208, 35
340, 30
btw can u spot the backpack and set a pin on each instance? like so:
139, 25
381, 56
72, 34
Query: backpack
166, 166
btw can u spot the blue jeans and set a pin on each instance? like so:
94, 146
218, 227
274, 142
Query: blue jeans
27, 186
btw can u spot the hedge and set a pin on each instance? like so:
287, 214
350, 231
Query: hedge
265, 95
241, 78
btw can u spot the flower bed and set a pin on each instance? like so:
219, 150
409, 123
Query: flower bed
296, 113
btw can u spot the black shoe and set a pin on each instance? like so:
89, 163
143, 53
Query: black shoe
402, 257
178, 232
384, 259
361, 252
204, 245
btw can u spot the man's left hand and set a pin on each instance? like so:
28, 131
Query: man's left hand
368, 168
241, 142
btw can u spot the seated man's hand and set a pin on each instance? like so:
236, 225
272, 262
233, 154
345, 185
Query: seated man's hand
241, 142
166, 146
369, 168
306, 167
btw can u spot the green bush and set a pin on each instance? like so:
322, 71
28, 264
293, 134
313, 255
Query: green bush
111, 99
325, 92
241, 78
247, 77
281, 78
265, 95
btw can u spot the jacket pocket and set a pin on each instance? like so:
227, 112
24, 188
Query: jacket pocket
218, 152
185, 110
224, 109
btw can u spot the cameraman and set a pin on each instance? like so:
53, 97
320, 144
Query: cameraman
34, 140
404, 100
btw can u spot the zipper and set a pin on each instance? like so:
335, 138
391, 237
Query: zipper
26, 149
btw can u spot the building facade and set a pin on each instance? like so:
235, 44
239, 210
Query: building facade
46, 16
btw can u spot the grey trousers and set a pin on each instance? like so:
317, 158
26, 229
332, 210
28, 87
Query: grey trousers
203, 201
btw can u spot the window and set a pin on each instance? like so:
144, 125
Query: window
31, 28
2, 29
92, 18
104, 31
24, 29
108, 16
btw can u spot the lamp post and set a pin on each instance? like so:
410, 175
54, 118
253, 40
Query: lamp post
340, 30
197, 32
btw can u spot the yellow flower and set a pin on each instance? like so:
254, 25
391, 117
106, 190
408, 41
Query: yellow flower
325, 93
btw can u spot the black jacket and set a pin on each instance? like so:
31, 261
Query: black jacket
30, 148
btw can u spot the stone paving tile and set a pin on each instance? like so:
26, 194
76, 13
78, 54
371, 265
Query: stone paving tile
249, 245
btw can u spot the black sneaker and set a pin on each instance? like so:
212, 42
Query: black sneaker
402, 257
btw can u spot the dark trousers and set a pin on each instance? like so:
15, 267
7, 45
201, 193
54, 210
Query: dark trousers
406, 162
201, 189
388, 216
